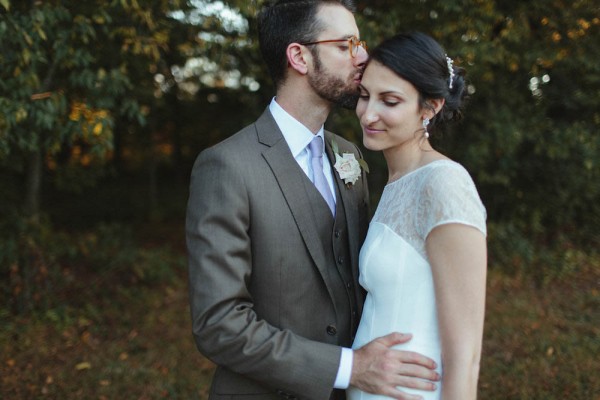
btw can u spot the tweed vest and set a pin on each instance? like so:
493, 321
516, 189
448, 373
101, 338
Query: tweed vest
333, 234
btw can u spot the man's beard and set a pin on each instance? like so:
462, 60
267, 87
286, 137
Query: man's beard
333, 88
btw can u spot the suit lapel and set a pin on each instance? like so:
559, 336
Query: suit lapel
291, 180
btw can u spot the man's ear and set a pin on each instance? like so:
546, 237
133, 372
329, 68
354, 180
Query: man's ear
298, 58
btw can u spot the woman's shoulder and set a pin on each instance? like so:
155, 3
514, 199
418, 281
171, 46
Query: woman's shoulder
445, 172
452, 196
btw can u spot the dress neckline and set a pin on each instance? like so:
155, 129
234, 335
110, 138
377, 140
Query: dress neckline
422, 167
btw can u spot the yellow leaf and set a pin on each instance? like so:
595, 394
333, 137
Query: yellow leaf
82, 366
21, 114
99, 19
40, 32
5, 4
28, 39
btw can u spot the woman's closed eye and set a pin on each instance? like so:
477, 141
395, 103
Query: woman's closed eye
390, 102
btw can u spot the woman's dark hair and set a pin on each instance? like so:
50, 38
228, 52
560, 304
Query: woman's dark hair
420, 60
289, 21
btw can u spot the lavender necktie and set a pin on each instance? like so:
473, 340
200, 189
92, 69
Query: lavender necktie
316, 159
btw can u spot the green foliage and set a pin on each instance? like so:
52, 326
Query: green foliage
110, 252
530, 134
111, 82
46, 66
518, 254
40, 265
75, 74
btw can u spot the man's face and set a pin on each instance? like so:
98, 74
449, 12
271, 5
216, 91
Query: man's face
336, 74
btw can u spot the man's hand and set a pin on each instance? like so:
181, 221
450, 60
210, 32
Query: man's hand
379, 369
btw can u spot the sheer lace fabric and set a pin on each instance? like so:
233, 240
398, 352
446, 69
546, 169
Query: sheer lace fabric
438, 193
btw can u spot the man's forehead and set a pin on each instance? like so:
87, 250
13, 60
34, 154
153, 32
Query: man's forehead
336, 21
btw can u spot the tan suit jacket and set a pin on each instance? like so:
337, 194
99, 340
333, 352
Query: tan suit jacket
261, 286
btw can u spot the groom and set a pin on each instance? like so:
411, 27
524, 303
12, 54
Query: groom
273, 257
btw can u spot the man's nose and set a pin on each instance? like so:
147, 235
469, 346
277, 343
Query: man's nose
361, 57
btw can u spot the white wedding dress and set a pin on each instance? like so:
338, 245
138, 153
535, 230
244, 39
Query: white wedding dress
393, 264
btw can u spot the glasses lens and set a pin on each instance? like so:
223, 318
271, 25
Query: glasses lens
353, 46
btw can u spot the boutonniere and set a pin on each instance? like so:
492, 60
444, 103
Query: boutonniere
347, 166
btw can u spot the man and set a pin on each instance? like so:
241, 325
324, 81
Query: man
273, 257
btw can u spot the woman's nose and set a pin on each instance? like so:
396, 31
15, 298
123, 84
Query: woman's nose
369, 117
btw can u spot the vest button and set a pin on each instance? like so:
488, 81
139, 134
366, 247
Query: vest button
331, 330
340, 260
337, 233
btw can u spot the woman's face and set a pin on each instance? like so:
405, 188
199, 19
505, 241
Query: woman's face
388, 109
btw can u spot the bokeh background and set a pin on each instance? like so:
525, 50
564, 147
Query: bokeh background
104, 105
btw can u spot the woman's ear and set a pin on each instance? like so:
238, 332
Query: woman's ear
298, 58
433, 107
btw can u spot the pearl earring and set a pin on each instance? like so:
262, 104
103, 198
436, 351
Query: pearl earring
425, 123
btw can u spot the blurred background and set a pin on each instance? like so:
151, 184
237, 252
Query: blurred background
104, 105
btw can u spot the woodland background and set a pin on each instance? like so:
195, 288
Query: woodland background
104, 105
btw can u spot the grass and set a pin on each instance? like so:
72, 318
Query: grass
114, 339
542, 343
131, 344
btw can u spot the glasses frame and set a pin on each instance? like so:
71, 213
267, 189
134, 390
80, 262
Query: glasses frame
353, 44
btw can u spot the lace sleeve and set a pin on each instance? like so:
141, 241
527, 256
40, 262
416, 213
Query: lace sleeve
449, 196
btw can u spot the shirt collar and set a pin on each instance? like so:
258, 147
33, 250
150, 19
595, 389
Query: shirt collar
294, 132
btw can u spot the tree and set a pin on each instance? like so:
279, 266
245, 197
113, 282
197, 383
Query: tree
74, 76
530, 135
73, 73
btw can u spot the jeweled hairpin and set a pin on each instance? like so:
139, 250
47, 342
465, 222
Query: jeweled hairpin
450, 63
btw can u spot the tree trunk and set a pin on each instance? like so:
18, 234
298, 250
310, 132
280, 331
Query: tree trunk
34, 184
153, 189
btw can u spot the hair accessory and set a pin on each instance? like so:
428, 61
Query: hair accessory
425, 123
450, 63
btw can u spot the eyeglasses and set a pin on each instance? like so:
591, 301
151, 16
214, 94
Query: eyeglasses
353, 44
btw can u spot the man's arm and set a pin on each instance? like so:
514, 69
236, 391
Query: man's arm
225, 325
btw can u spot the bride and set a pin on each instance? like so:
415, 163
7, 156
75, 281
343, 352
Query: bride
424, 261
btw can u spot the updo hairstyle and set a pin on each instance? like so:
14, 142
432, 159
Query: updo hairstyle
420, 60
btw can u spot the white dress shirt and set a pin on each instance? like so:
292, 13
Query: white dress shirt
298, 137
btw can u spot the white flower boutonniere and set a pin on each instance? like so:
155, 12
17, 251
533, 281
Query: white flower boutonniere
347, 166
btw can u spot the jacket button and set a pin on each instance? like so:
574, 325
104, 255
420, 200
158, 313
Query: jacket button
285, 395
331, 330
340, 260
337, 233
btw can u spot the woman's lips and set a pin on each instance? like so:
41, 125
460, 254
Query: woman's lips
372, 131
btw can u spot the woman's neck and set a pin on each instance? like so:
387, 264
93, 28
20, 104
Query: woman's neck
405, 159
